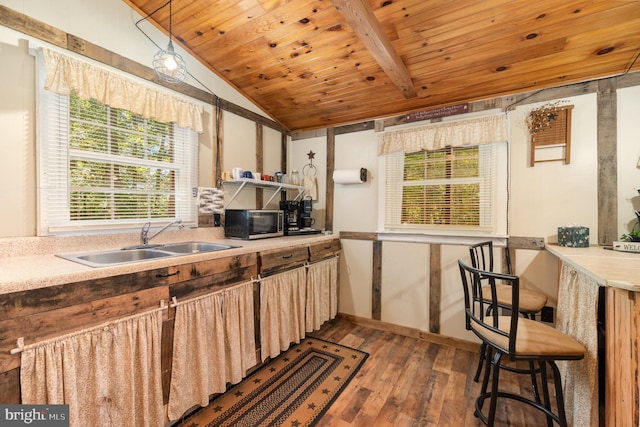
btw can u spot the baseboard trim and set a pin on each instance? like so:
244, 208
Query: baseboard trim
410, 332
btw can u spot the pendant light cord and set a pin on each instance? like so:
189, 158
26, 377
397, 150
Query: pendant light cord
170, 20
170, 32
149, 16
217, 100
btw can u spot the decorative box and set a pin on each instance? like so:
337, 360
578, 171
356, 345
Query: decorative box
573, 237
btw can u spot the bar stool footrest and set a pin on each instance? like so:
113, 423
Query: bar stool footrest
503, 394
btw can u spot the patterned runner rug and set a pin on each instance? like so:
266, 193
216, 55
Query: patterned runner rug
295, 389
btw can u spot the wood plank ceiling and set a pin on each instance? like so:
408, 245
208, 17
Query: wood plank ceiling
313, 64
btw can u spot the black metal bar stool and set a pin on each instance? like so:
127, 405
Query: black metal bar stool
530, 302
516, 337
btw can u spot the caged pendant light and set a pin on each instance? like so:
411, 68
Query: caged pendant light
168, 65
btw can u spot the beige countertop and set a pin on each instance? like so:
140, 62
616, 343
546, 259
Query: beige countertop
31, 263
607, 267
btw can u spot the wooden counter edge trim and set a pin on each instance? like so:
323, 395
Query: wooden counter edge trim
359, 235
411, 332
515, 242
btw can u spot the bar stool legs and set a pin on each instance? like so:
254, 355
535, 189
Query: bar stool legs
492, 370
482, 356
531, 371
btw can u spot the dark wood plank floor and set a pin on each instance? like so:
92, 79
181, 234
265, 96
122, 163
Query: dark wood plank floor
412, 382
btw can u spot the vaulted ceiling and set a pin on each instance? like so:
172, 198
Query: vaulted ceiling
314, 64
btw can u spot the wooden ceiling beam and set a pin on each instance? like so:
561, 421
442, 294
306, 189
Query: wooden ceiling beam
364, 24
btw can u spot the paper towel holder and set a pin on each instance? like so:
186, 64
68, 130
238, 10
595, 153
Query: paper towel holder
363, 174
356, 177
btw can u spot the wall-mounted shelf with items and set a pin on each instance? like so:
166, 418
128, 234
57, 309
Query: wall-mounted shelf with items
277, 187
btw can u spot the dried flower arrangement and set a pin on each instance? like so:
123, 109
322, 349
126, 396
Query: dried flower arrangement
542, 117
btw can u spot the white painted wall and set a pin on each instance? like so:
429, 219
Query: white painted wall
552, 194
628, 157
356, 205
355, 278
405, 288
17, 142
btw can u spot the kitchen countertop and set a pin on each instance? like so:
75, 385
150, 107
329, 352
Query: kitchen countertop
31, 263
607, 267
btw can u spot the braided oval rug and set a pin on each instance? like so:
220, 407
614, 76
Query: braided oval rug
295, 389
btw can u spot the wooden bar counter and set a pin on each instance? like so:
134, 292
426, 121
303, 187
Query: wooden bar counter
615, 279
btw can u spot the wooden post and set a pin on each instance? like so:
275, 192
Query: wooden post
331, 160
283, 161
435, 288
218, 158
376, 281
607, 162
259, 162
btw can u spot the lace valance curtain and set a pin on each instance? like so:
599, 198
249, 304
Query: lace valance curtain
66, 74
480, 130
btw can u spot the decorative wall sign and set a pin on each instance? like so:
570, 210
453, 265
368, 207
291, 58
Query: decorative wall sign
450, 110
550, 130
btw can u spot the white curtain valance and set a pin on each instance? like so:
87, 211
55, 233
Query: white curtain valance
481, 130
66, 74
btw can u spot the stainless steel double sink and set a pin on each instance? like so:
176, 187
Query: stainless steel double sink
143, 253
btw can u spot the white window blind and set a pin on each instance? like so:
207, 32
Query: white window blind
107, 168
449, 189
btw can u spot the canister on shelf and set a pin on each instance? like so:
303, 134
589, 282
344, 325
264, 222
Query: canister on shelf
295, 178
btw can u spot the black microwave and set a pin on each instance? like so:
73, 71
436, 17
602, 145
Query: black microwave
249, 224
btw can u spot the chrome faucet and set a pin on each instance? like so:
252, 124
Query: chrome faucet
144, 234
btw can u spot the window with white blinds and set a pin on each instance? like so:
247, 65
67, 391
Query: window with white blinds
107, 168
449, 189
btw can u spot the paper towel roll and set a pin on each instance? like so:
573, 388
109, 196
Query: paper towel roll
350, 176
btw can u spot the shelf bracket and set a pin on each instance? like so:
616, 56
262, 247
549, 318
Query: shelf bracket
236, 193
275, 193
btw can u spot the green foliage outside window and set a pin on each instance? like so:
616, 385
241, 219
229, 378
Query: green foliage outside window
120, 164
441, 188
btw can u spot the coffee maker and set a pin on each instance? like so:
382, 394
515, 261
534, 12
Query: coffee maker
291, 209
297, 217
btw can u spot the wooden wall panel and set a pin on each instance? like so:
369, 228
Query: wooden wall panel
622, 385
